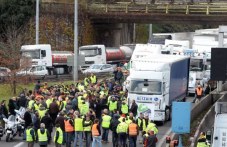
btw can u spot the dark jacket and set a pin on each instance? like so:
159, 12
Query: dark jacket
47, 121
22, 101
12, 106
60, 120
151, 141
36, 122
53, 109
134, 108
3, 110
114, 123
27, 119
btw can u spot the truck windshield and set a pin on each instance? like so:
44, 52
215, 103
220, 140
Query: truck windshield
34, 54
89, 52
196, 65
146, 87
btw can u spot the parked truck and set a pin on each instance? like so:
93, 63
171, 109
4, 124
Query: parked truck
219, 137
42, 55
99, 54
156, 81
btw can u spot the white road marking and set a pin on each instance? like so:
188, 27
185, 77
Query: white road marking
163, 139
19, 144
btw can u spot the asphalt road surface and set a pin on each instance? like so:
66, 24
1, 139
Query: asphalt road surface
164, 131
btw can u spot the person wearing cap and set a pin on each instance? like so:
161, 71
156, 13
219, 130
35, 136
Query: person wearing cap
202, 140
30, 135
42, 135
58, 137
87, 124
106, 119
122, 129
133, 131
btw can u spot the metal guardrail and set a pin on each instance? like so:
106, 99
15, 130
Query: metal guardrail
207, 9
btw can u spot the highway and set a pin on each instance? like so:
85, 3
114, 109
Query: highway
164, 131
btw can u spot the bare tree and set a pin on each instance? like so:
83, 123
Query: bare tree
10, 55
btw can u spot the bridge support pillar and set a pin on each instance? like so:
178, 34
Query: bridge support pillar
113, 35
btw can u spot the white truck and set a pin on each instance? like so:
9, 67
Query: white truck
219, 138
99, 54
42, 55
156, 81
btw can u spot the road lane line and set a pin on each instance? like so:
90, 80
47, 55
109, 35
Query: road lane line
163, 139
19, 144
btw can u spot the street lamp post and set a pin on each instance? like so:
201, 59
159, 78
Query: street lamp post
37, 23
75, 73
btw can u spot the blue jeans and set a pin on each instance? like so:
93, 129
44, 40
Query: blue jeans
132, 141
78, 135
97, 140
68, 138
88, 138
105, 134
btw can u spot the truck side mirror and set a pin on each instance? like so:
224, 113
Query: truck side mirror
43, 53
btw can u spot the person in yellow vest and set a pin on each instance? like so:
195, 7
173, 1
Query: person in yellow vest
49, 101
30, 135
121, 117
84, 108
96, 134
139, 122
36, 105
78, 128
105, 125
31, 102
112, 105
87, 130
86, 81
124, 108
93, 79
152, 127
42, 110
63, 103
42, 135
133, 132
58, 137
122, 130
202, 140
129, 120
145, 122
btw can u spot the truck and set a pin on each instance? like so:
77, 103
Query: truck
219, 135
156, 81
42, 55
99, 54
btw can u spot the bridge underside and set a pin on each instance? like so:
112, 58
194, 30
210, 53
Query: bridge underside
114, 17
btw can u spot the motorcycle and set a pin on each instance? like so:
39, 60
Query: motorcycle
11, 125
20, 120
1, 128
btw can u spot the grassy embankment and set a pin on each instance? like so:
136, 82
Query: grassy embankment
6, 91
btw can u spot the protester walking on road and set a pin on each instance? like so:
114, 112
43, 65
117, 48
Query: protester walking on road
105, 125
122, 129
30, 136
133, 131
113, 127
69, 129
96, 134
58, 137
43, 136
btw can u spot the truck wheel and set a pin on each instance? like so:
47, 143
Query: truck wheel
167, 114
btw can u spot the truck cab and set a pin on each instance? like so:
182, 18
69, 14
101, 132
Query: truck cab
94, 54
219, 138
39, 54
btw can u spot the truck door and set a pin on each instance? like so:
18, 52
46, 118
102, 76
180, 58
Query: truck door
220, 137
